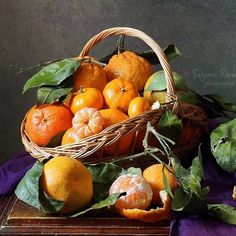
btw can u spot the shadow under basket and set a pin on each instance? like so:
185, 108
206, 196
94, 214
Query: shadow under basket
91, 149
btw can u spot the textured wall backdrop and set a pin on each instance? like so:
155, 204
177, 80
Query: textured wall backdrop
34, 31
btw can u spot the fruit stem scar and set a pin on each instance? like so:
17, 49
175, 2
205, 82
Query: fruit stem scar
123, 90
44, 120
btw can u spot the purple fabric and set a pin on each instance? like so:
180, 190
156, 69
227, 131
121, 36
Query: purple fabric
221, 188
12, 171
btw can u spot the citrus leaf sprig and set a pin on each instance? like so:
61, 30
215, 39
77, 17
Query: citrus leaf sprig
171, 52
29, 191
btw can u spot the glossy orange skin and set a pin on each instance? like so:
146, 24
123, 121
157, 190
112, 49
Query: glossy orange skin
90, 75
119, 92
46, 121
154, 176
137, 106
86, 97
122, 146
70, 136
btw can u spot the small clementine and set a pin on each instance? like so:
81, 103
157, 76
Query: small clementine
119, 92
154, 176
137, 106
138, 192
87, 121
86, 97
110, 117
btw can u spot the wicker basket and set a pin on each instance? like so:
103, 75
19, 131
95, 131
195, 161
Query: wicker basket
95, 144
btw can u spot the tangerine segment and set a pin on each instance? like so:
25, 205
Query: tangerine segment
119, 92
46, 121
138, 192
130, 66
86, 97
90, 75
151, 216
67, 179
87, 121
154, 176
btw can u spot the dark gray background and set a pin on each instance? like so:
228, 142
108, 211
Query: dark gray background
34, 31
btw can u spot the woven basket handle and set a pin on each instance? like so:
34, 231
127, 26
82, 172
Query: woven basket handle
144, 37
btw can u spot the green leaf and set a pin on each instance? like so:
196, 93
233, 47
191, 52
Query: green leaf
134, 171
47, 95
53, 74
166, 183
49, 205
171, 52
186, 179
159, 82
103, 174
223, 212
28, 188
170, 125
180, 199
187, 97
119, 48
56, 140
28, 191
223, 145
197, 168
222, 102
109, 201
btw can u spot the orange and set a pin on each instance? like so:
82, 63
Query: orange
70, 136
153, 215
110, 117
154, 176
86, 97
138, 192
90, 75
87, 121
46, 121
118, 93
130, 66
137, 106
67, 179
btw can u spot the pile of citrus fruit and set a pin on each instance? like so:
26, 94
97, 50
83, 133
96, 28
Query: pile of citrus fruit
101, 97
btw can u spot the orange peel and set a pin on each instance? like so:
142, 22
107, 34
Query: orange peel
150, 216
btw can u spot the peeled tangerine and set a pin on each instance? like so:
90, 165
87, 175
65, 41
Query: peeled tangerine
138, 198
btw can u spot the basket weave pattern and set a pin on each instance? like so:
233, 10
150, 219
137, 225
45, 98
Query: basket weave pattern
86, 147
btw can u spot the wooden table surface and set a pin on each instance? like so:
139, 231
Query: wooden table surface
18, 218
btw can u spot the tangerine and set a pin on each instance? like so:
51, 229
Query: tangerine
87, 121
130, 66
154, 176
110, 117
137, 106
86, 97
138, 192
46, 121
90, 75
119, 92
67, 179
70, 136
